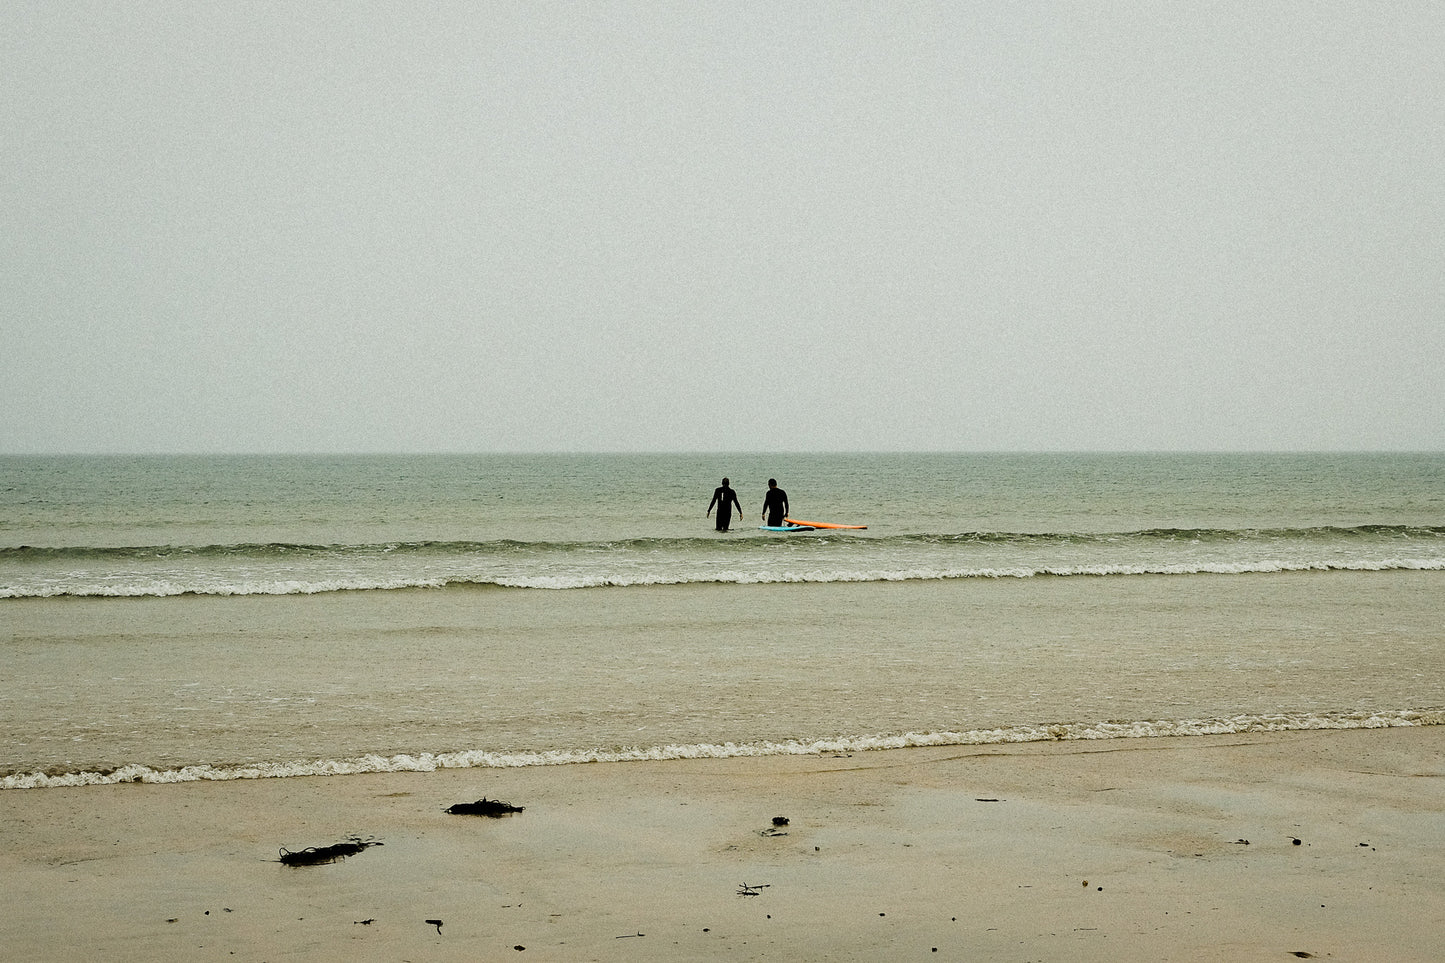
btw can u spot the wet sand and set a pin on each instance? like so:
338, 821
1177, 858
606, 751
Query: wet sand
1128, 849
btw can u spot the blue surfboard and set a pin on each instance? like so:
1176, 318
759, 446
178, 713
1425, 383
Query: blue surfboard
785, 528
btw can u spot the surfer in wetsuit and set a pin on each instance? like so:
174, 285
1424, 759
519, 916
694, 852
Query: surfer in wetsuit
724, 498
775, 504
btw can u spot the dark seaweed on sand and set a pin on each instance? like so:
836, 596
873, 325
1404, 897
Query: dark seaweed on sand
316, 855
483, 807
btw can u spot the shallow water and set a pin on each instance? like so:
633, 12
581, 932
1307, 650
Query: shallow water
208, 648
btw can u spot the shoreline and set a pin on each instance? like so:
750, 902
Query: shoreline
484, 759
1127, 849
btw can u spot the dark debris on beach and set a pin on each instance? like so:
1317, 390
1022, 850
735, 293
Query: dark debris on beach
317, 855
484, 807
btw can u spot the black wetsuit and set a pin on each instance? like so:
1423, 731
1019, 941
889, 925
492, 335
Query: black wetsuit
775, 503
724, 498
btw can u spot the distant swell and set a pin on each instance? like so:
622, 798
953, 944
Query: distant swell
477, 758
739, 542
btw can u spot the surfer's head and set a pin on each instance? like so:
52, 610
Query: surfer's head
725, 483
772, 483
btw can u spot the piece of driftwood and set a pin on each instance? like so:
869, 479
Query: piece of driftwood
316, 855
484, 807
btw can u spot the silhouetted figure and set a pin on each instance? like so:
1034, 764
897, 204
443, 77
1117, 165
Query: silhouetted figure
724, 498
775, 504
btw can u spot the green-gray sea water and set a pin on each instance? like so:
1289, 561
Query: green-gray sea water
220, 617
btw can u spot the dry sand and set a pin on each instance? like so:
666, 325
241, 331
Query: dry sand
1120, 850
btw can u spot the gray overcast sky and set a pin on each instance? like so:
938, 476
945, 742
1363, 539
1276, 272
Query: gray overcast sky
696, 226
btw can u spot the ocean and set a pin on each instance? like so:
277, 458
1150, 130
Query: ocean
171, 618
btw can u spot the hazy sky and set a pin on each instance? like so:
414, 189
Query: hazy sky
697, 226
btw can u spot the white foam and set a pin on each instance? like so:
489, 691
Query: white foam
482, 759
143, 586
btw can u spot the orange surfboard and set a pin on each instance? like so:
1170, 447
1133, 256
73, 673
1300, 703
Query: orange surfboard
794, 521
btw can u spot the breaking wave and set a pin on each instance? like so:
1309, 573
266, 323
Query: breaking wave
749, 558
484, 759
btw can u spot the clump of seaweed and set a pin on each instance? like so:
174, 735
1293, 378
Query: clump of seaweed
316, 855
483, 807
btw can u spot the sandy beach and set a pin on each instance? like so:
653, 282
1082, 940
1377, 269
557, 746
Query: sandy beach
1130, 849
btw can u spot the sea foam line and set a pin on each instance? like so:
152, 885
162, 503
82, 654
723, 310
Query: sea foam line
483, 759
144, 587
